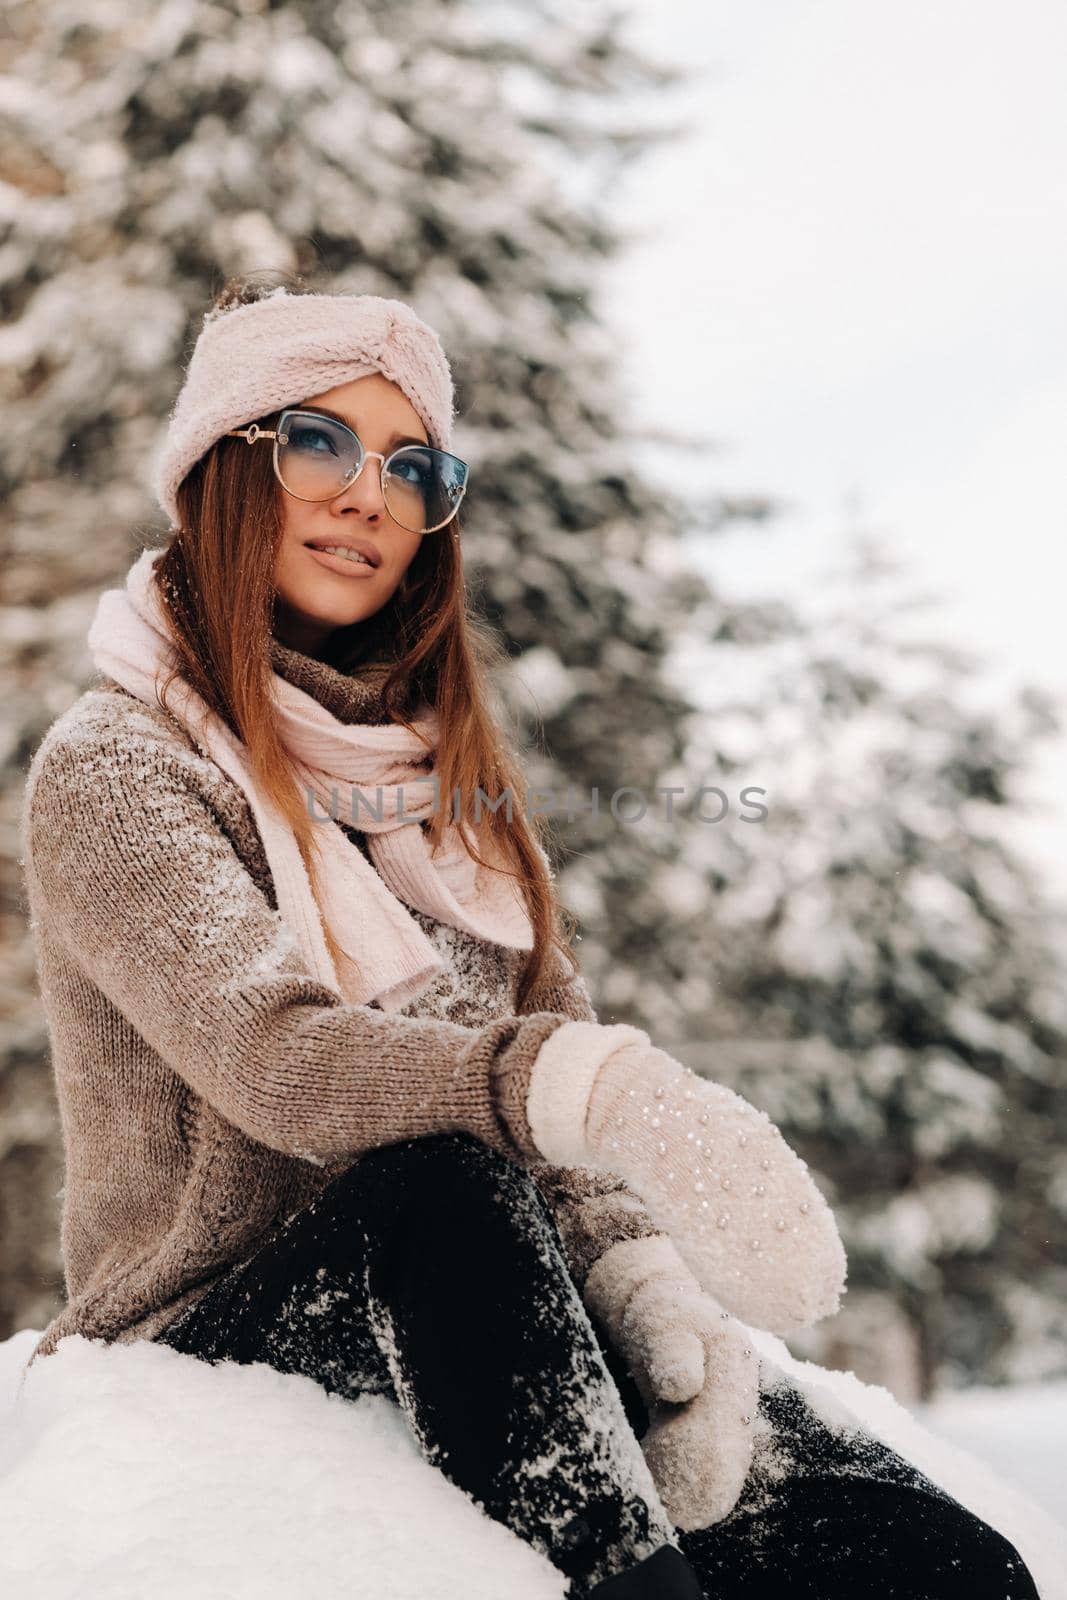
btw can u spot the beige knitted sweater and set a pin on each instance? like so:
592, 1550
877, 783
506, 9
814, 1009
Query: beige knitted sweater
207, 1085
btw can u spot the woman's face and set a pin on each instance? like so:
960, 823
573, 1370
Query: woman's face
316, 593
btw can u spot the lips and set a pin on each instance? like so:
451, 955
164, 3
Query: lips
362, 547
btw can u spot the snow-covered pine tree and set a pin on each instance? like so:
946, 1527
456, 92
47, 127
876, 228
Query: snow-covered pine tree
888, 974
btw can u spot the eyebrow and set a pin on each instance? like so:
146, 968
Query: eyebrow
398, 438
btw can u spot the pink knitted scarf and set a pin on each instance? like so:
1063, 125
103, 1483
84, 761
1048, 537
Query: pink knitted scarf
389, 958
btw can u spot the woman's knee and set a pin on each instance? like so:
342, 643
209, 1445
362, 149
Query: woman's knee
458, 1159
431, 1177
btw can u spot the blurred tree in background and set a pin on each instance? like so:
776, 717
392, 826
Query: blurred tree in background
888, 980
864, 963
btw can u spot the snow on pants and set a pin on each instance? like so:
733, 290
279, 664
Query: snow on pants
431, 1270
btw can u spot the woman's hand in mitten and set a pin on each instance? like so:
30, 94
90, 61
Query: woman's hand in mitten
713, 1170
694, 1368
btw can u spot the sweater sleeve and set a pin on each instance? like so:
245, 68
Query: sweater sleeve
128, 867
592, 1210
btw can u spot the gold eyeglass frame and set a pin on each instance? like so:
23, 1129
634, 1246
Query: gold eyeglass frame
254, 432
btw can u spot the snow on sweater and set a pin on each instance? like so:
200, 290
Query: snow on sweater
208, 1086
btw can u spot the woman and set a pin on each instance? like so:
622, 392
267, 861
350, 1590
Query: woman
334, 1095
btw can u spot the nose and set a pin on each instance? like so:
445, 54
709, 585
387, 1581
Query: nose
365, 493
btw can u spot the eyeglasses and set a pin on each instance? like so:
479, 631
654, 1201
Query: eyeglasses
316, 458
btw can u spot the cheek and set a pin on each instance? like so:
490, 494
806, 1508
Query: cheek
297, 526
408, 547
295, 521
284, 553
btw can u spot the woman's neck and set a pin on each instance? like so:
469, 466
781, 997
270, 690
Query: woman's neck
350, 696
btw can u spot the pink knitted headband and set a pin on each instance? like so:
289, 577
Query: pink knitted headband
284, 348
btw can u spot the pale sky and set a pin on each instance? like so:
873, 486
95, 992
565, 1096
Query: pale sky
851, 273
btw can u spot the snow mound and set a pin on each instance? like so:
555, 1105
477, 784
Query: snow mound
134, 1470
128, 1470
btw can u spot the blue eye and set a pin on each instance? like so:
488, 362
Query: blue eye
304, 436
416, 470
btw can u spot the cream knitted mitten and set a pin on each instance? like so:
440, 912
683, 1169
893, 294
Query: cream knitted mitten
695, 1371
713, 1170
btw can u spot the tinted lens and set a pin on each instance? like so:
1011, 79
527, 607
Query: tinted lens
318, 457
423, 486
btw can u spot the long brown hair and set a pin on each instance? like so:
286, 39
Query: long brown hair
215, 580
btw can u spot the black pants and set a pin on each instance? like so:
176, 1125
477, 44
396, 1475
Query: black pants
431, 1271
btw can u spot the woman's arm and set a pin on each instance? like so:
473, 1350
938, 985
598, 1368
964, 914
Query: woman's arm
127, 867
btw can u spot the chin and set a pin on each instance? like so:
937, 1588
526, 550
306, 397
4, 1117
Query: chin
311, 612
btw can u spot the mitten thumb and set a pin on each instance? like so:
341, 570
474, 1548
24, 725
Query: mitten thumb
658, 1339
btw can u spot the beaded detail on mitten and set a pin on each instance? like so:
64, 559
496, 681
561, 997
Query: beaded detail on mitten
713, 1170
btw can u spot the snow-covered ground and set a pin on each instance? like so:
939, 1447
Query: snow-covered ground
129, 1470
1021, 1431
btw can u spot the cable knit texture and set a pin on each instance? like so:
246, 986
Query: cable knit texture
251, 360
208, 1086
